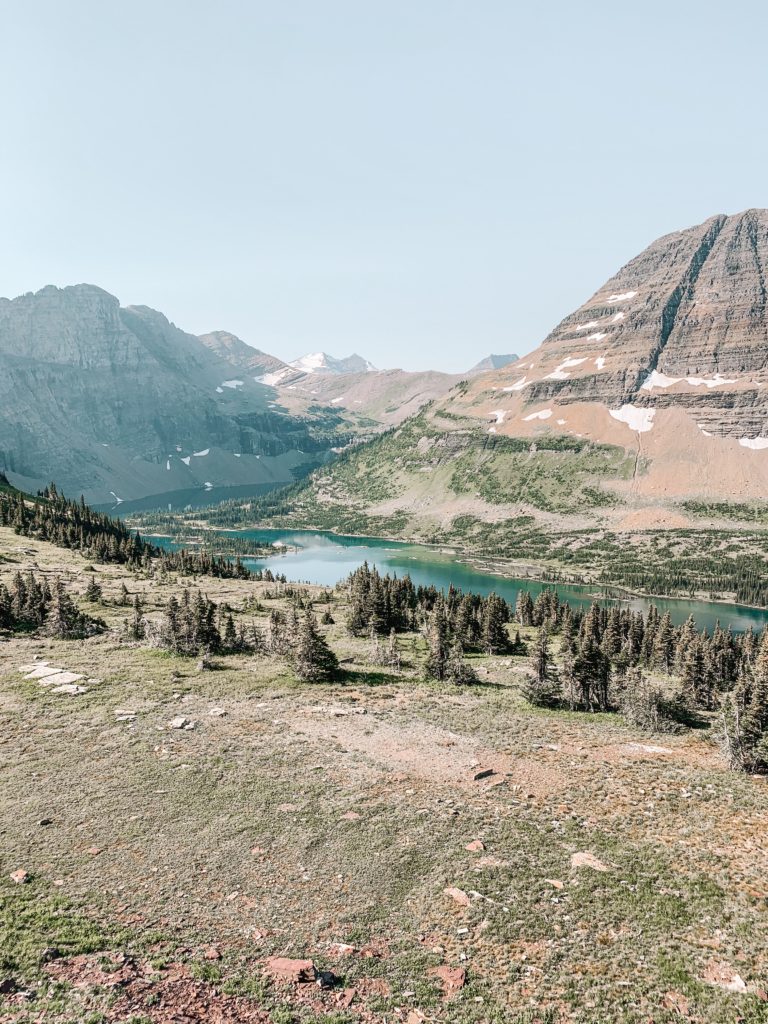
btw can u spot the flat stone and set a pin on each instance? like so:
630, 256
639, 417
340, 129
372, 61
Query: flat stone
458, 896
282, 968
588, 860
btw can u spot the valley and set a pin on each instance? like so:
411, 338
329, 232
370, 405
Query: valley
439, 852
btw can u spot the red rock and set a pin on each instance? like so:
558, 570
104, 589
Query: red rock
282, 968
475, 846
458, 896
212, 954
451, 978
20, 876
350, 816
415, 1017
94, 851
346, 997
555, 882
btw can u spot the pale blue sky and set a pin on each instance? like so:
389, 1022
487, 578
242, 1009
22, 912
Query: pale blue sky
420, 181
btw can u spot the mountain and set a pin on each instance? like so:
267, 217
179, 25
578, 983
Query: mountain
648, 401
366, 399
238, 353
119, 403
492, 362
322, 363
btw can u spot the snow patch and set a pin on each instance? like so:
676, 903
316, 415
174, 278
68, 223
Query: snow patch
621, 297
637, 419
544, 414
271, 379
586, 327
656, 379
518, 385
335, 401
200, 455
187, 459
561, 423
559, 373
491, 430
236, 454
168, 464
710, 382
756, 443
219, 391
499, 414
118, 501
600, 362
232, 384
598, 336
619, 316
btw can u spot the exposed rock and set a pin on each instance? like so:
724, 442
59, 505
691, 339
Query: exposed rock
458, 896
452, 979
180, 722
19, 876
588, 860
282, 968
475, 846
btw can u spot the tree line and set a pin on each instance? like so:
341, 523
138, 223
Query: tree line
31, 603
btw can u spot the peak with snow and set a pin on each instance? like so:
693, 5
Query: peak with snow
321, 362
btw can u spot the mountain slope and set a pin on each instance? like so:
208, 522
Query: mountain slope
235, 351
652, 394
119, 403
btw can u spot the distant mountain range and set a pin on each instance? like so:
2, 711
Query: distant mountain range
119, 404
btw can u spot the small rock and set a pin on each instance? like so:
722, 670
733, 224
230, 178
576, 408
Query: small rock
458, 896
8, 986
555, 882
217, 712
19, 877
180, 722
212, 954
588, 860
486, 773
49, 954
415, 1017
343, 948
282, 968
350, 816
475, 846
45, 821
326, 979
346, 998
94, 851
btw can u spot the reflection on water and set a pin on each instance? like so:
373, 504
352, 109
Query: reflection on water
326, 558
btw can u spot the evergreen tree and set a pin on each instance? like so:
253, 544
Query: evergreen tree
313, 661
541, 688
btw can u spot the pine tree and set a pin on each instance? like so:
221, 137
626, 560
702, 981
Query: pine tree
494, 635
541, 688
93, 591
458, 670
439, 646
313, 660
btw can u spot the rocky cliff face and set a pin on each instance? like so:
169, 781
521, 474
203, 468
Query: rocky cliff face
237, 352
682, 325
112, 401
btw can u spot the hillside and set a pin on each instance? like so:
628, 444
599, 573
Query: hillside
645, 408
118, 403
429, 851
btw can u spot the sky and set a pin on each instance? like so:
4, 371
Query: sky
419, 181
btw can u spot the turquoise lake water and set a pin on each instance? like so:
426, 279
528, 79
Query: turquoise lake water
327, 558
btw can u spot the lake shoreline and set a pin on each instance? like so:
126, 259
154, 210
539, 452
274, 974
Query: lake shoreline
507, 570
